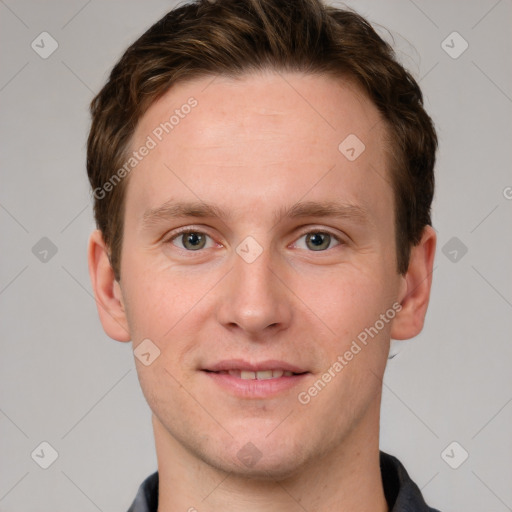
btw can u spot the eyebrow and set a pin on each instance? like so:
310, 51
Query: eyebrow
172, 209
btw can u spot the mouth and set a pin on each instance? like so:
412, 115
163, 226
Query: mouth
255, 380
258, 375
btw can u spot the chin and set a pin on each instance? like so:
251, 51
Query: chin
259, 458
272, 473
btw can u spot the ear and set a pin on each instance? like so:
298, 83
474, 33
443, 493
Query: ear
107, 290
415, 292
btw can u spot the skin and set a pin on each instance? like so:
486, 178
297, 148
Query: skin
252, 146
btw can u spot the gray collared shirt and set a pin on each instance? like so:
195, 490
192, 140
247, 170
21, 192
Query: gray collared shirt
402, 494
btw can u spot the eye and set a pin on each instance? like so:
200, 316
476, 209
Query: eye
317, 241
191, 240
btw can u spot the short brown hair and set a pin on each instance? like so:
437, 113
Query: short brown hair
233, 37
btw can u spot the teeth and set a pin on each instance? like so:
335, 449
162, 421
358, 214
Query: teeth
260, 375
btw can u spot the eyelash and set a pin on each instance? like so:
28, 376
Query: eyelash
187, 229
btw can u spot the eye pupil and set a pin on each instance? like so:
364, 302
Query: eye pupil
193, 241
319, 241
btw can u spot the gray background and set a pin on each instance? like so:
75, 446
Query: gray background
65, 382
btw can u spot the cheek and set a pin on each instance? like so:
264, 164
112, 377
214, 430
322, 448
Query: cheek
173, 308
159, 295
148, 309
346, 299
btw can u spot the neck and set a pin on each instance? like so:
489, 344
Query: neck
345, 479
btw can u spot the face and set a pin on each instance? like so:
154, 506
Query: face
256, 251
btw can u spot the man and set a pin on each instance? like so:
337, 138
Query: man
262, 174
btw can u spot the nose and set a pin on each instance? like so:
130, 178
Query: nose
254, 299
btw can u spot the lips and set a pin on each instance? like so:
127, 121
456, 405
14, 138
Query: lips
259, 375
263, 380
264, 370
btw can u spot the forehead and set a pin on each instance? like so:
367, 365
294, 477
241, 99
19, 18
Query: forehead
267, 133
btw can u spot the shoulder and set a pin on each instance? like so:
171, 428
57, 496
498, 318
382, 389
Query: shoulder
402, 494
146, 499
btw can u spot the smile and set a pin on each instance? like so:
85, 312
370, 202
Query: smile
258, 375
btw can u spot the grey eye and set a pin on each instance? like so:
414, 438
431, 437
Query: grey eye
318, 241
193, 241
